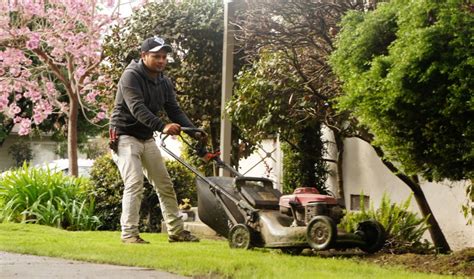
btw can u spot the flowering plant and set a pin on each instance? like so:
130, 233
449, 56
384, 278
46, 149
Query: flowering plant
50, 53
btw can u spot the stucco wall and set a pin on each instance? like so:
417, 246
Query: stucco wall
364, 172
266, 162
43, 150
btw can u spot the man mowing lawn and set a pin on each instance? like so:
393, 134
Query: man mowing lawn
143, 92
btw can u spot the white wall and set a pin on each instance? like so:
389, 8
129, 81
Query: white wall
364, 172
259, 164
43, 150
266, 162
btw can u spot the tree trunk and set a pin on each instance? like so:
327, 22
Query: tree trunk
435, 231
339, 166
72, 134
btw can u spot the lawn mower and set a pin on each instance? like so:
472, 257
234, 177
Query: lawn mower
249, 212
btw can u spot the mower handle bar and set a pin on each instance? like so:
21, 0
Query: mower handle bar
191, 129
183, 129
240, 203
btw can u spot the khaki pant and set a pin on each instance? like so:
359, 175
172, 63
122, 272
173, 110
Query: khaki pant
137, 157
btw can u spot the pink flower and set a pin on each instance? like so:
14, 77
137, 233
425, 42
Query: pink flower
34, 41
38, 118
15, 71
25, 127
79, 72
57, 53
25, 74
50, 86
33, 94
110, 3
3, 101
101, 115
14, 109
41, 111
17, 86
91, 96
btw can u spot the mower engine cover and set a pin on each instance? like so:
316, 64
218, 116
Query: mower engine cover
306, 203
304, 195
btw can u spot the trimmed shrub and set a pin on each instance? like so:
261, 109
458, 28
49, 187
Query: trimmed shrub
303, 163
21, 152
404, 228
41, 196
109, 188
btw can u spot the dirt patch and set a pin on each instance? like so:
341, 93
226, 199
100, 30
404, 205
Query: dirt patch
457, 263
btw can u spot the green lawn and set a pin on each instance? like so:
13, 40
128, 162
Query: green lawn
207, 257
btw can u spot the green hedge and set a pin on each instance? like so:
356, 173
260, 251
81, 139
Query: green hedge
109, 188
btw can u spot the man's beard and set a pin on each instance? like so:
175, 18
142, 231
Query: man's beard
155, 70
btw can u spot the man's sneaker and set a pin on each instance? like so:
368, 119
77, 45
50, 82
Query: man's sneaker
134, 240
183, 236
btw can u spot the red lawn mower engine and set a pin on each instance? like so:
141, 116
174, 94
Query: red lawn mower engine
306, 203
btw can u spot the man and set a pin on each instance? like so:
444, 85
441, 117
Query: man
143, 92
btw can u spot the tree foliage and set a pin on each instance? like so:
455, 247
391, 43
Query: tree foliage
290, 86
195, 30
49, 64
269, 99
407, 72
304, 32
300, 33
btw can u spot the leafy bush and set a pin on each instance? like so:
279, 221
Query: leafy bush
303, 164
21, 152
109, 188
30, 195
404, 228
183, 181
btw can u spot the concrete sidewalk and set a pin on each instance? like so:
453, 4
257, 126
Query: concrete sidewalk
28, 266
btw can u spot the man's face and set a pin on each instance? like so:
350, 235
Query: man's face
155, 61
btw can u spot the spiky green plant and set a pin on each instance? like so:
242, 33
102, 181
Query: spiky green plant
404, 228
43, 196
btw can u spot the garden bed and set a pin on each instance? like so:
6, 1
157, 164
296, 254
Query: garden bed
459, 263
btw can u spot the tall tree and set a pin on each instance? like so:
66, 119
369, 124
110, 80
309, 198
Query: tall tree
49, 47
304, 32
408, 74
407, 71
195, 30
269, 100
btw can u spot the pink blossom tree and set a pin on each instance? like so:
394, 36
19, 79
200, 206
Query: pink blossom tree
50, 56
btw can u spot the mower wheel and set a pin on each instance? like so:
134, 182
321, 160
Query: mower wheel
373, 233
240, 237
294, 251
321, 232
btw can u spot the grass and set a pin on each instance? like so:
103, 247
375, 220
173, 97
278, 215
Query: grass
209, 257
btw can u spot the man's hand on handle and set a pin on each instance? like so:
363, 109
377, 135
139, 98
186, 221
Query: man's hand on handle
172, 129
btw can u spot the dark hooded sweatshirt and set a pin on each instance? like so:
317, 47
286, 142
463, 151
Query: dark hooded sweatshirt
138, 101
